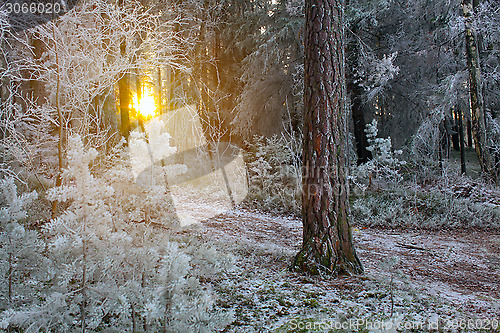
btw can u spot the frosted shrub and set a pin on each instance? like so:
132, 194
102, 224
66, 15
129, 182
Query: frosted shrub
140, 200
109, 273
20, 249
148, 198
13, 207
424, 210
274, 174
385, 165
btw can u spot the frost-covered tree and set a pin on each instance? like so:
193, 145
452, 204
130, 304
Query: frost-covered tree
21, 249
106, 271
67, 70
270, 101
18, 146
480, 134
368, 72
385, 163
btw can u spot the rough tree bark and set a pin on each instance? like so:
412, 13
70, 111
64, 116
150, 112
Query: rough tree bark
327, 241
476, 98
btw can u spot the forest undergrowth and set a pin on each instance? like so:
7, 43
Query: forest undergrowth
114, 260
388, 191
412, 277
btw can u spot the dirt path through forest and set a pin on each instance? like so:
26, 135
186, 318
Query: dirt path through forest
461, 266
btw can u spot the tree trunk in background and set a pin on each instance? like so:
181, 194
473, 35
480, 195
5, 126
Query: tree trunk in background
469, 132
462, 140
5, 95
327, 241
124, 92
476, 98
36, 87
160, 90
217, 114
455, 138
60, 121
203, 108
357, 110
173, 77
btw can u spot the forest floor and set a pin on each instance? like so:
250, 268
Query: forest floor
416, 279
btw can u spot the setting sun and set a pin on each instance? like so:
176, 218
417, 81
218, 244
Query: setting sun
146, 106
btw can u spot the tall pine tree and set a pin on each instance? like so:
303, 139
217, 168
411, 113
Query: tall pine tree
327, 240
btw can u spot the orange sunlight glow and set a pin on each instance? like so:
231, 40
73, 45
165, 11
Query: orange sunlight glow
146, 106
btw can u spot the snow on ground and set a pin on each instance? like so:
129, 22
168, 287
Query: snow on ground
411, 277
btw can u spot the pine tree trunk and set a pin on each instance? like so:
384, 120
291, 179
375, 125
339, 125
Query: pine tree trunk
124, 91
171, 89
123, 88
469, 132
327, 240
455, 137
476, 98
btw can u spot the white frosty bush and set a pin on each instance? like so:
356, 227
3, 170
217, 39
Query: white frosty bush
140, 201
412, 208
274, 174
107, 273
20, 249
384, 165
13, 206
148, 148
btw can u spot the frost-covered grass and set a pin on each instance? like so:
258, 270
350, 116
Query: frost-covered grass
266, 297
283, 302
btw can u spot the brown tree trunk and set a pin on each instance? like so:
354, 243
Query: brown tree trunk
476, 98
327, 240
5, 96
124, 91
469, 132
455, 137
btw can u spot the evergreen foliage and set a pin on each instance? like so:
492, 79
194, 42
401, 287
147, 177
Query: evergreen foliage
274, 172
101, 270
385, 164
